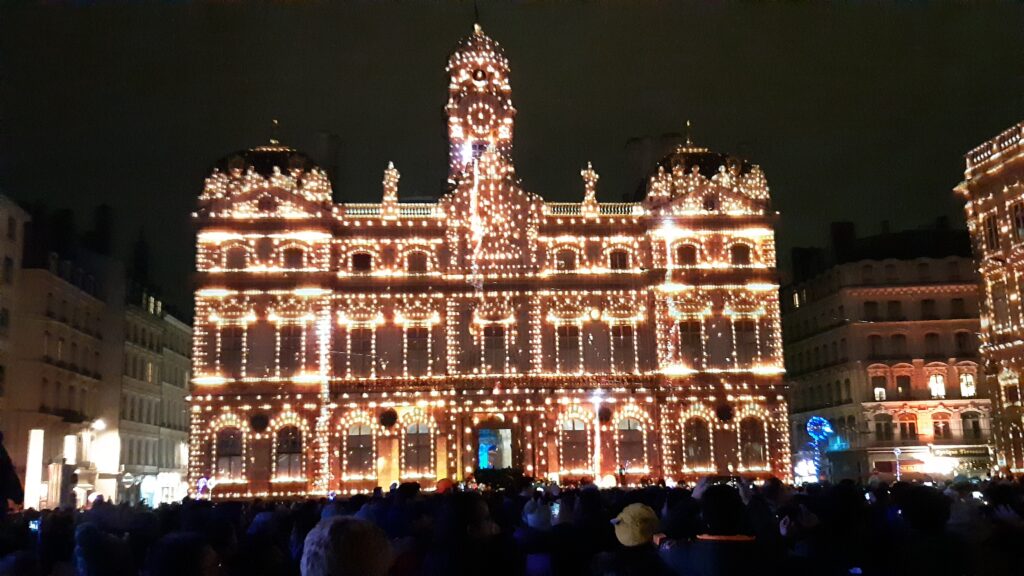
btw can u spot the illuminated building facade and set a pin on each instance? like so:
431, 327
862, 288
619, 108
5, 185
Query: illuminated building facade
344, 346
880, 336
993, 194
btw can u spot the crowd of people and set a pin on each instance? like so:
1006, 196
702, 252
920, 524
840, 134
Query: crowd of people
719, 527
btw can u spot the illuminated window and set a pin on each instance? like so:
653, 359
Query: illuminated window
417, 344
235, 257
624, 358
878, 388
752, 448
568, 348
495, 349
696, 443
289, 453
937, 386
618, 260
575, 450
686, 255
968, 387
940, 426
294, 258
418, 449
290, 350
565, 261
416, 263
361, 263
971, 424
883, 427
359, 451
739, 255
229, 454
631, 444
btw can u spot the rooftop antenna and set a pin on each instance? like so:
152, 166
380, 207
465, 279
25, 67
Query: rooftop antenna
689, 139
274, 128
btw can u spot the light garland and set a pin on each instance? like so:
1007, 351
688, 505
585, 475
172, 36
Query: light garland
457, 314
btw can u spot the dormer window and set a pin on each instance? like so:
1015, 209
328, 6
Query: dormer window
710, 203
362, 263
565, 261
294, 258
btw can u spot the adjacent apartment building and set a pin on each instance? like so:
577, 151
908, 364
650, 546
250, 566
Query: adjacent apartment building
880, 338
993, 194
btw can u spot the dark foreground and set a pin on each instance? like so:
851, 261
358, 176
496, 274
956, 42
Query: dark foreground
715, 530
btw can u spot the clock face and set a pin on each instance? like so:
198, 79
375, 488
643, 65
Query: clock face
479, 75
482, 118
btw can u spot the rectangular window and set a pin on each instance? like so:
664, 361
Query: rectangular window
290, 342
1000, 304
957, 308
746, 342
417, 350
624, 359
894, 310
903, 386
991, 233
494, 349
568, 348
929, 311
871, 310
360, 351
260, 350
691, 343
1017, 213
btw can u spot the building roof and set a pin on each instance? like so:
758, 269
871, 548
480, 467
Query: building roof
264, 159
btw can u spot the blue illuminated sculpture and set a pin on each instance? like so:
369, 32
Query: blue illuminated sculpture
819, 429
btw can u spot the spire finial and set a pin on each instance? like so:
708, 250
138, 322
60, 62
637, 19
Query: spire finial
274, 128
476, 19
689, 139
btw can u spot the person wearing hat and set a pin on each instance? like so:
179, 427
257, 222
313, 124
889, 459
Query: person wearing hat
635, 528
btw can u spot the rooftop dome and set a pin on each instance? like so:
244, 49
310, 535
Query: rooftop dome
477, 46
687, 156
264, 159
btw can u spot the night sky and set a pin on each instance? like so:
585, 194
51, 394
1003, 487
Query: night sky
854, 112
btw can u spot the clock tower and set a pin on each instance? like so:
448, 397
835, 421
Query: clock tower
479, 109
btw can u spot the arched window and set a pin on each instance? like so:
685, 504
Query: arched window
686, 255
565, 261
361, 263
294, 258
968, 386
898, 344
229, 454
696, 443
417, 450
971, 423
940, 426
739, 255
937, 385
710, 203
631, 444
883, 427
618, 260
359, 457
752, 448
964, 343
289, 453
908, 427
416, 263
575, 452
235, 258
